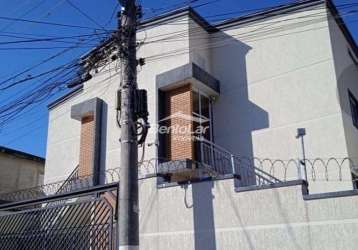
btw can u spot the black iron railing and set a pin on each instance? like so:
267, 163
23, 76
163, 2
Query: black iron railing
224, 162
215, 162
73, 183
67, 185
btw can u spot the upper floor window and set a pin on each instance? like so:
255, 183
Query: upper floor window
202, 111
354, 108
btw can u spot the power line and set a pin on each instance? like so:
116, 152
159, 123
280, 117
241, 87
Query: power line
84, 14
184, 33
91, 88
40, 63
199, 48
113, 14
36, 40
47, 23
74, 63
180, 5
15, 108
23, 15
45, 48
222, 43
167, 53
47, 89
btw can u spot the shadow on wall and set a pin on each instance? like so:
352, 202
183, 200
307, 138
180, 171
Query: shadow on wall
103, 142
292, 234
347, 74
234, 113
347, 86
203, 213
347, 82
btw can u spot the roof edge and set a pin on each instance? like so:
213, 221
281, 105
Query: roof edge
342, 25
256, 16
168, 16
65, 97
211, 28
21, 154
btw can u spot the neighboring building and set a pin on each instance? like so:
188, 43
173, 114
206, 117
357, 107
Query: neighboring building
19, 170
250, 82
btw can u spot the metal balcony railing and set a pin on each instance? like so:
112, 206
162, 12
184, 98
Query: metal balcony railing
224, 163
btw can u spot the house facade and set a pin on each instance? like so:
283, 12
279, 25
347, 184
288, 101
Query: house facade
255, 79
19, 170
247, 84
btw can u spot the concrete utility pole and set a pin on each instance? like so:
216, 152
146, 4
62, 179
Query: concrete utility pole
128, 214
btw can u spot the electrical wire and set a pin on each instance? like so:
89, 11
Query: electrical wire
9, 111
23, 15
65, 81
48, 23
177, 52
85, 14
92, 89
241, 36
62, 52
112, 15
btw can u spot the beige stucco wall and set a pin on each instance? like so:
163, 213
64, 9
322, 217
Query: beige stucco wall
64, 133
18, 173
270, 85
211, 215
280, 77
346, 72
276, 75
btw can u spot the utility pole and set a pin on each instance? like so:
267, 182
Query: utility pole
128, 208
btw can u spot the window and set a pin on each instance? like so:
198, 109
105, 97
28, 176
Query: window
202, 113
355, 181
354, 108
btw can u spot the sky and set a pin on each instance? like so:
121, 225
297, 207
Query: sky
28, 130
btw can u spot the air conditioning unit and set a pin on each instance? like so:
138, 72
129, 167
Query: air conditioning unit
179, 170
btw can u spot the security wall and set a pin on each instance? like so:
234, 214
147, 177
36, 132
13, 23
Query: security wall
211, 215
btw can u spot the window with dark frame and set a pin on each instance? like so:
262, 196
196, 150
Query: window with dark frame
201, 127
201, 110
355, 181
354, 108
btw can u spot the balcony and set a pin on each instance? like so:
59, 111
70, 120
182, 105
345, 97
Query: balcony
213, 161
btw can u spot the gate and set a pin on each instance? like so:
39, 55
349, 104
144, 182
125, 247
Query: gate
83, 221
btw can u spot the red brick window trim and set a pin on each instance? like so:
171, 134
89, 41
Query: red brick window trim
87, 146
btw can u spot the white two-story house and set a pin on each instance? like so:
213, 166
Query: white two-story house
251, 82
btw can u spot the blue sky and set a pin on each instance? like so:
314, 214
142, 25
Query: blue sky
28, 132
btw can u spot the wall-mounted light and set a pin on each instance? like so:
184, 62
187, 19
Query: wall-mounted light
301, 132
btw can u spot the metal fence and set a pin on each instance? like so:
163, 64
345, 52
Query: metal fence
265, 170
66, 186
215, 162
318, 169
86, 223
70, 215
262, 171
